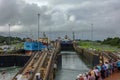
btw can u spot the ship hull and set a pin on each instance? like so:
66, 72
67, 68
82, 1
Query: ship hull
67, 46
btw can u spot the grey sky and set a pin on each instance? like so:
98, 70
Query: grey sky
63, 16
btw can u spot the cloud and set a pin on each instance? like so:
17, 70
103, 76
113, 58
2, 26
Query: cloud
16, 12
8, 12
62, 15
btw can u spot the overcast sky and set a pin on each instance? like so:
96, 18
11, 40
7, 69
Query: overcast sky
60, 17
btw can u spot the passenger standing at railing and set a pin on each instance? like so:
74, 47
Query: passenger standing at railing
96, 71
110, 67
114, 65
102, 73
90, 77
26, 73
85, 76
81, 77
92, 73
77, 77
38, 77
118, 65
99, 67
107, 71
104, 67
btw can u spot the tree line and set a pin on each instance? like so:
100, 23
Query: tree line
9, 40
112, 41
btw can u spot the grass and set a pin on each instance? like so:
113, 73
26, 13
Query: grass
98, 46
17, 46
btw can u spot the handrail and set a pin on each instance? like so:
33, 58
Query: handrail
106, 55
24, 66
113, 56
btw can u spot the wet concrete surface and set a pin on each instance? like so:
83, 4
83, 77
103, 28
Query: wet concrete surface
114, 76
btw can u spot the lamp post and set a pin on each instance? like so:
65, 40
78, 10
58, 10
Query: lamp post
91, 32
92, 35
38, 29
9, 35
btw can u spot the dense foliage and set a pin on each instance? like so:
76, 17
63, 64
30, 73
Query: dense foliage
112, 41
11, 40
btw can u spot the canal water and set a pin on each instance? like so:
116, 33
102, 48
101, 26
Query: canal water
72, 65
9, 72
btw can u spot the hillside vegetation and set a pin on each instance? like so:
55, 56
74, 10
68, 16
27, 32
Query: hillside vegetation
112, 41
9, 40
109, 44
14, 42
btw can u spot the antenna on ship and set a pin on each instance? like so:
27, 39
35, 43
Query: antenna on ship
44, 35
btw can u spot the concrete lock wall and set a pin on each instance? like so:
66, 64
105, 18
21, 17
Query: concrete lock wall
92, 57
7, 61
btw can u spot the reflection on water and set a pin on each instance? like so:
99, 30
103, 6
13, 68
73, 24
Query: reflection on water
72, 65
10, 72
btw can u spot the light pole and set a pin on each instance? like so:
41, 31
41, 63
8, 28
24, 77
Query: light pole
91, 32
38, 29
9, 35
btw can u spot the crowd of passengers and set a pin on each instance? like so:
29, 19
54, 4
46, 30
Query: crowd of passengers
101, 71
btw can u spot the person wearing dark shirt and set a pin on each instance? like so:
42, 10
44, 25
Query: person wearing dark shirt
118, 65
102, 73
